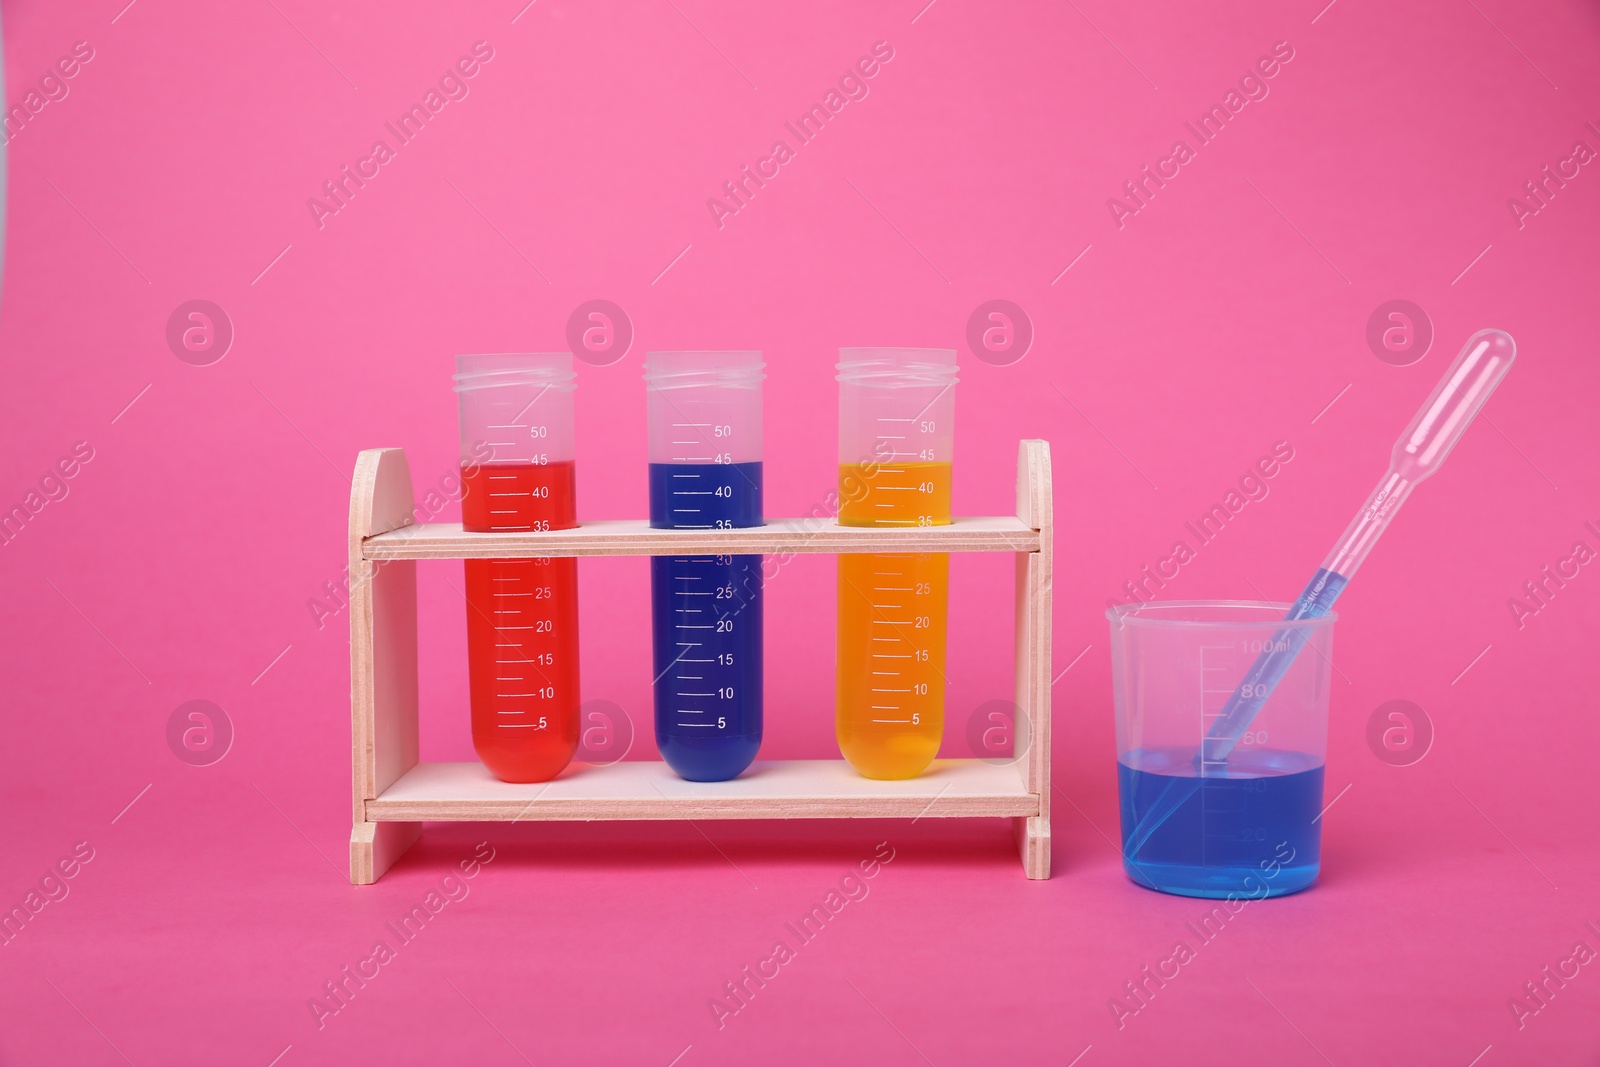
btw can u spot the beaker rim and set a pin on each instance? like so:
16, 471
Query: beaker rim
1266, 613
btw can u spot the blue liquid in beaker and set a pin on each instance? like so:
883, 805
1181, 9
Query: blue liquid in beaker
706, 622
1245, 830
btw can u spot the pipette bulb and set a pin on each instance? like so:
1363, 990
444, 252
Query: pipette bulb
1445, 416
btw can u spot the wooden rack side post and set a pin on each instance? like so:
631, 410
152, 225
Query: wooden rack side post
1034, 508
383, 660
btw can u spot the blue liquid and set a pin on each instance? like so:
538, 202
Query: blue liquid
706, 623
1245, 831
1315, 601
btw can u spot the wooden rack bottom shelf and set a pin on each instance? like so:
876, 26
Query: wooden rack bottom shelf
648, 789
394, 793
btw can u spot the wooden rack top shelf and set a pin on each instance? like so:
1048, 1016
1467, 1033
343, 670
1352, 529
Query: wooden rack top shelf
634, 537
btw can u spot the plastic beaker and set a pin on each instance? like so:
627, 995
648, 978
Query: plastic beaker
896, 436
1244, 827
517, 473
705, 474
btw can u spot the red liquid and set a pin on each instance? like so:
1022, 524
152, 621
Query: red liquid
522, 623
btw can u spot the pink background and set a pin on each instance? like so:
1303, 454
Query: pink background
1222, 318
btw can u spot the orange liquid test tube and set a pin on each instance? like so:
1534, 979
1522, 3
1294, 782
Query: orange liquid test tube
896, 407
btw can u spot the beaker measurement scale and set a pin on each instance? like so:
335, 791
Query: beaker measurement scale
1244, 690
1208, 717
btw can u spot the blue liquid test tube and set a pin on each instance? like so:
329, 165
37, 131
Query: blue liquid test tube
705, 474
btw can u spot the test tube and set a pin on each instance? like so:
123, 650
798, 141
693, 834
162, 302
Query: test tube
517, 473
896, 436
705, 474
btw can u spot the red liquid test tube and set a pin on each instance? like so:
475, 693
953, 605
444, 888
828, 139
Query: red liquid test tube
517, 474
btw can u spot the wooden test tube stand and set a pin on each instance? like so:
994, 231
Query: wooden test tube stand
394, 792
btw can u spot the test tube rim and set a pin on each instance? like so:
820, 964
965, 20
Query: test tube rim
1272, 615
501, 369
736, 375
896, 366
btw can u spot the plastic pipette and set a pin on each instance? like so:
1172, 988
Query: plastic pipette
1443, 418
1434, 431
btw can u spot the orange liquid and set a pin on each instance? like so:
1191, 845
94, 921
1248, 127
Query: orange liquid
894, 494
893, 621
522, 624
